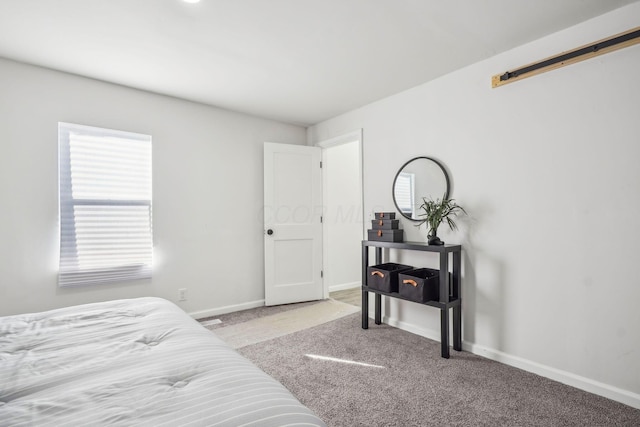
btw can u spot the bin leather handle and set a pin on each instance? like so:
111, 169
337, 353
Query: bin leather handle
381, 223
410, 282
377, 273
381, 214
379, 233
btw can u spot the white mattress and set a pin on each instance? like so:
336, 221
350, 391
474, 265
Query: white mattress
132, 362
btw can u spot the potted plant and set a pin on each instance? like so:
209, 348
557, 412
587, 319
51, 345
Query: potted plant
436, 211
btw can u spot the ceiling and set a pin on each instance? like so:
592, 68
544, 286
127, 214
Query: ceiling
297, 61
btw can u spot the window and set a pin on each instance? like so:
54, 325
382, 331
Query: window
105, 205
404, 193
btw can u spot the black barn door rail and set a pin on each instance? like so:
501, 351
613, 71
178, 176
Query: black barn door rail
582, 53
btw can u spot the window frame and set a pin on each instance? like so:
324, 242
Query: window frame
71, 272
405, 184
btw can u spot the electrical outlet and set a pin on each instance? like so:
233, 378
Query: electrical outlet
182, 294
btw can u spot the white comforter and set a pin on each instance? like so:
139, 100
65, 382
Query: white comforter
132, 362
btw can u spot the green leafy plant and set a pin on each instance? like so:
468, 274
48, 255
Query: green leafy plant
437, 211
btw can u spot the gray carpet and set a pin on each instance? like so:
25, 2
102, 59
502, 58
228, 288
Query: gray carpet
409, 383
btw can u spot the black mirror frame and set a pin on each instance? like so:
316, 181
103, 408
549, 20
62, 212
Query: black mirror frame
393, 187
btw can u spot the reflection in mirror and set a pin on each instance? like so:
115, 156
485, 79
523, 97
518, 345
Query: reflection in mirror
419, 178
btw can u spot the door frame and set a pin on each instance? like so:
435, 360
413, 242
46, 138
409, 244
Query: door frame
353, 136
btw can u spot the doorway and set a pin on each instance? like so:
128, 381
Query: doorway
343, 214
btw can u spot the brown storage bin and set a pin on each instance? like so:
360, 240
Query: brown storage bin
384, 277
386, 235
420, 285
385, 224
385, 215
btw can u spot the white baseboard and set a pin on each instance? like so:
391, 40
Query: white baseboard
226, 309
601, 389
591, 386
344, 286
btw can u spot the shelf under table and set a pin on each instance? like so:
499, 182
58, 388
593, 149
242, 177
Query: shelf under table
443, 305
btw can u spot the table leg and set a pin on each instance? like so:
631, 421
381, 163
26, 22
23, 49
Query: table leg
365, 309
378, 313
444, 333
457, 328
365, 294
457, 311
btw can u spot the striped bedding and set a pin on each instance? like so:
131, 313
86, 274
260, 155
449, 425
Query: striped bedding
132, 362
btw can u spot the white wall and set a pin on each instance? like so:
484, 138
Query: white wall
342, 216
548, 170
207, 188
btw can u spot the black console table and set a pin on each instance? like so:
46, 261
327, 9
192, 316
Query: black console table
449, 297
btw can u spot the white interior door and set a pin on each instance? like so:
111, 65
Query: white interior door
292, 223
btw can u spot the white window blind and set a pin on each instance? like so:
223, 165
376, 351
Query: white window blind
404, 193
105, 205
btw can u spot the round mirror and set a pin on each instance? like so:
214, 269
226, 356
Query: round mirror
419, 178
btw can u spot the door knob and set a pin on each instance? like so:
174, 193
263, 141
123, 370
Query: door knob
269, 232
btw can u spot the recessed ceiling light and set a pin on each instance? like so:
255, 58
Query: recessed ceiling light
191, 1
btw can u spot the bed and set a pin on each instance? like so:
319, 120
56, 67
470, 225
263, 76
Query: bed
140, 361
